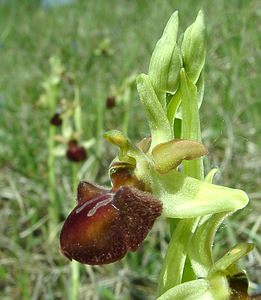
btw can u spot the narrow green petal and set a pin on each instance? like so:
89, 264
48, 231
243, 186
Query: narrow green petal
167, 156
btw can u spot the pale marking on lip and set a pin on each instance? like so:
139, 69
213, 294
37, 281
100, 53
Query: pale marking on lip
91, 201
98, 205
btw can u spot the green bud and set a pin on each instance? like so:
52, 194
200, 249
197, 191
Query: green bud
193, 48
166, 59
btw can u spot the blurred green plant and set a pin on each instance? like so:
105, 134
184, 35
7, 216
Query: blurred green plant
67, 143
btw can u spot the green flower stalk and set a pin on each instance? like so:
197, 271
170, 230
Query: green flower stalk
167, 166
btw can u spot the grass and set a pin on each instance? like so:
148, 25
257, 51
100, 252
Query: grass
32, 268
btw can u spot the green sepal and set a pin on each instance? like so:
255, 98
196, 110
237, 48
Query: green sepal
167, 156
166, 61
190, 197
159, 125
193, 48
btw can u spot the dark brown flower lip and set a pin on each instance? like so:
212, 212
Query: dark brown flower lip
102, 229
110, 102
56, 120
75, 152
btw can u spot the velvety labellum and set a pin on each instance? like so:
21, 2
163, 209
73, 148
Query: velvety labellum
102, 229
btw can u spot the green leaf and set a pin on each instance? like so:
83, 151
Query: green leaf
157, 119
166, 61
187, 197
167, 156
193, 48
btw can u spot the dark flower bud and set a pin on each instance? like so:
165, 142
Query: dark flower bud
56, 120
75, 152
122, 174
110, 102
100, 230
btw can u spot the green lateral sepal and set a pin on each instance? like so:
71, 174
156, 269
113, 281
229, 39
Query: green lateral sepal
187, 197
